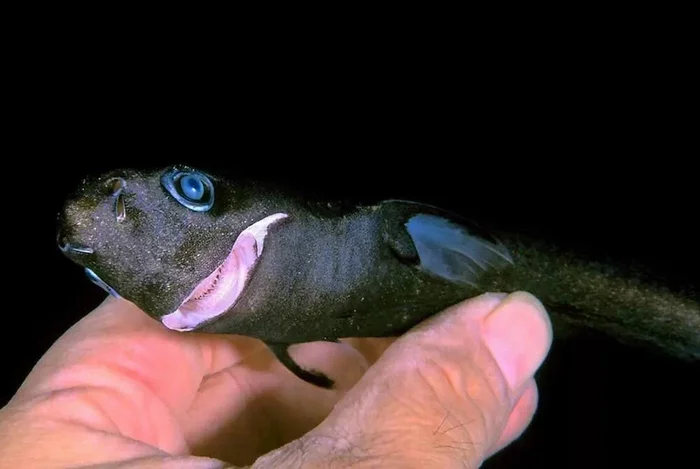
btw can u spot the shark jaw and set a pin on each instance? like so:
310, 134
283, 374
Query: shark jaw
219, 292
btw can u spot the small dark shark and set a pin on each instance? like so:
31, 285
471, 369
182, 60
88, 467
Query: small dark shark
197, 252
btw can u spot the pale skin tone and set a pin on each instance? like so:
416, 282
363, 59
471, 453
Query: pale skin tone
118, 390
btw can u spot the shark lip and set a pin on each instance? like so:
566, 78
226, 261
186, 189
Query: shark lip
220, 290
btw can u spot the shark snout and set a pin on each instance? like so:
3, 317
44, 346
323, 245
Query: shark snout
97, 202
68, 239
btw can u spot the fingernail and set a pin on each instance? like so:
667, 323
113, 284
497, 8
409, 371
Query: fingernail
519, 334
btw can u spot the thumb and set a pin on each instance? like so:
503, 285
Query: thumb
453, 390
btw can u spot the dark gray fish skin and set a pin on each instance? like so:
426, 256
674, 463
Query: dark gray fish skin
327, 278
371, 271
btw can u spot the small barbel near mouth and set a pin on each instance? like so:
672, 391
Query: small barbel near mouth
81, 249
68, 247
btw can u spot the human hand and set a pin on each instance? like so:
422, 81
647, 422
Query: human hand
120, 388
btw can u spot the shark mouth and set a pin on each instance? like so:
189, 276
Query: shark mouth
217, 293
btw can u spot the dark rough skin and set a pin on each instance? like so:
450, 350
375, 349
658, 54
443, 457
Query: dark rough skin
325, 275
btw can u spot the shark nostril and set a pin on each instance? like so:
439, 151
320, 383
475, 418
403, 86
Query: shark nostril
115, 185
120, 208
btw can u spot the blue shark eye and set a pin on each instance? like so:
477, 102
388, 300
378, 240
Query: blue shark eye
192, 189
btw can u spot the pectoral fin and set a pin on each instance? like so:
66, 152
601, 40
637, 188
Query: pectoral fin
451, 251
310, 376
440, 243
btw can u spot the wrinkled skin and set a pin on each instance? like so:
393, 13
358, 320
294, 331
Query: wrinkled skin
118, 388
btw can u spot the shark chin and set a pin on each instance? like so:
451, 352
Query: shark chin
220, 290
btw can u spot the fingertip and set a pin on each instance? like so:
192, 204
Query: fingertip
518, 334
520, 417
452, 319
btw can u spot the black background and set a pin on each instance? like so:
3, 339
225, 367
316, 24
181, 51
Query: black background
597, 163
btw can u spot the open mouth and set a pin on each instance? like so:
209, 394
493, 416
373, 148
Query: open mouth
217, 293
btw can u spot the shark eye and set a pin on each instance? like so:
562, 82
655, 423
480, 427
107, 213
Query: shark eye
192, 189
